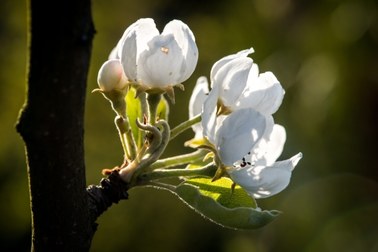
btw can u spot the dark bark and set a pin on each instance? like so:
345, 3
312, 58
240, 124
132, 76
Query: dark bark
51, 124
110, 190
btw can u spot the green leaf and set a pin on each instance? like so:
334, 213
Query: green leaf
222, 193
216, 202
134, 112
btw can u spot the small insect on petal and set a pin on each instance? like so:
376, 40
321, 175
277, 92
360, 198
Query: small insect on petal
164, 49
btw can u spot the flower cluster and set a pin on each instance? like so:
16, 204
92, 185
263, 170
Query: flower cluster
233, 120
237, 121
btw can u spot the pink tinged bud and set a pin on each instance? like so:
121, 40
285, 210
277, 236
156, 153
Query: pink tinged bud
111, 76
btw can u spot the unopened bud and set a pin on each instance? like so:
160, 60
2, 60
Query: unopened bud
111, 76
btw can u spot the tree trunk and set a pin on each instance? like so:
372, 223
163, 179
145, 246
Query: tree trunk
51, 123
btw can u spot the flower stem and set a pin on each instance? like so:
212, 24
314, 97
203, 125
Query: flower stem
130, 143
160, 139
178, 160
184, 126
207, 171
153, 102
126, 136
158, 185
144, 109
121, 129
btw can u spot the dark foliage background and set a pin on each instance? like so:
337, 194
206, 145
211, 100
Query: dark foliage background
325, 55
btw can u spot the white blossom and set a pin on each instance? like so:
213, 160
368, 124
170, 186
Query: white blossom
237, 120
155, 60
236, 84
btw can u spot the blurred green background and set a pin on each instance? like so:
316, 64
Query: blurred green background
324, 53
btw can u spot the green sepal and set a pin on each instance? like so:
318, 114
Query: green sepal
116, 98
218, 203
197, 143
163, 109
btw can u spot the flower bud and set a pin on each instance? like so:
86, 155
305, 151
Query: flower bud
111, 76
113, 85
157, 61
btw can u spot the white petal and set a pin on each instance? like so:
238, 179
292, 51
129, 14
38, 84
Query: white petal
265, 94
111, 76
117, 50
114, 53
162, 64
232, 79
209, 115
128, 55
199, 94
146, 30
269, 149
196, 101
217, 65
133, 42
265, 181
186, 41
240, 131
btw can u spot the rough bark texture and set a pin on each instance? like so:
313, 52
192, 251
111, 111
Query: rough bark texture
110, 190
51, 123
